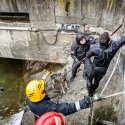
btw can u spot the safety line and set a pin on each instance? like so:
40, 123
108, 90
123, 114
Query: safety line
91, 111
112, 72
115, 94
90, 114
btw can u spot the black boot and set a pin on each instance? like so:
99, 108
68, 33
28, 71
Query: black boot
90, 93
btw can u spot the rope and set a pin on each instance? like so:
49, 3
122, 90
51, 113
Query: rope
112, 72
90, 115
115, 94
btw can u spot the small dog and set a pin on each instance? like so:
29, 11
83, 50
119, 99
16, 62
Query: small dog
60, 78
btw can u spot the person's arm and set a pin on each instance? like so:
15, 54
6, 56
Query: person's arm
74, 52
94, 51
90, 39
119, 43
70, 108
90, 54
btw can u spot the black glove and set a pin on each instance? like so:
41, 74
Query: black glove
89, 38
97, 97
86, 102
78, 62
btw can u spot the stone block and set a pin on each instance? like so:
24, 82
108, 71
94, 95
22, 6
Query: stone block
60, 19
89, 20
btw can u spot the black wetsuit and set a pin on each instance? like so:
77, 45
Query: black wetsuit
102, 58
78, 52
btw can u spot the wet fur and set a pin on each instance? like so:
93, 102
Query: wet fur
60, 78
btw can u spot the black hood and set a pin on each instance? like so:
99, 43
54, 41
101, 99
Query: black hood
104, 39
79, 37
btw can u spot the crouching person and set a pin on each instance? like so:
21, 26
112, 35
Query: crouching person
39, 103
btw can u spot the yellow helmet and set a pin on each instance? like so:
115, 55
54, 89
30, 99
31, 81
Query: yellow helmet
35, 90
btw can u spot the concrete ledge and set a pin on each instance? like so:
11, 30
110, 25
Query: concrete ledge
60, 19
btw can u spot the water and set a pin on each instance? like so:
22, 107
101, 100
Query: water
11, 79
12, 98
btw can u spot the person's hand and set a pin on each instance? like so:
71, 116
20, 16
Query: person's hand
88, 99
78, 62
86, 102
97, 97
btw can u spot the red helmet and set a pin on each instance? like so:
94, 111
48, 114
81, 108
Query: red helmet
50, 118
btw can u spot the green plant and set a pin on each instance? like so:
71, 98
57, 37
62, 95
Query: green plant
105, 112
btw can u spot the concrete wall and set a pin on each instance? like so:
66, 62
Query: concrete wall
18, 40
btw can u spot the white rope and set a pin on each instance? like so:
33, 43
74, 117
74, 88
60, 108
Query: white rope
115, 94
112, 72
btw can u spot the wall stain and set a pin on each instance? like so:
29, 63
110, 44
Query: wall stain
89, 6
72, 6
62, 5
110, 4
67, 7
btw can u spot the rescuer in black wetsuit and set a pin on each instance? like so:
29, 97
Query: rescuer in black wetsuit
103, 52
79, 49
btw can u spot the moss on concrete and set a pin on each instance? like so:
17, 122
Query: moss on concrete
105, 112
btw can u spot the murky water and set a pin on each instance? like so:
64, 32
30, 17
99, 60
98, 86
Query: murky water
11, 99
11, 80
